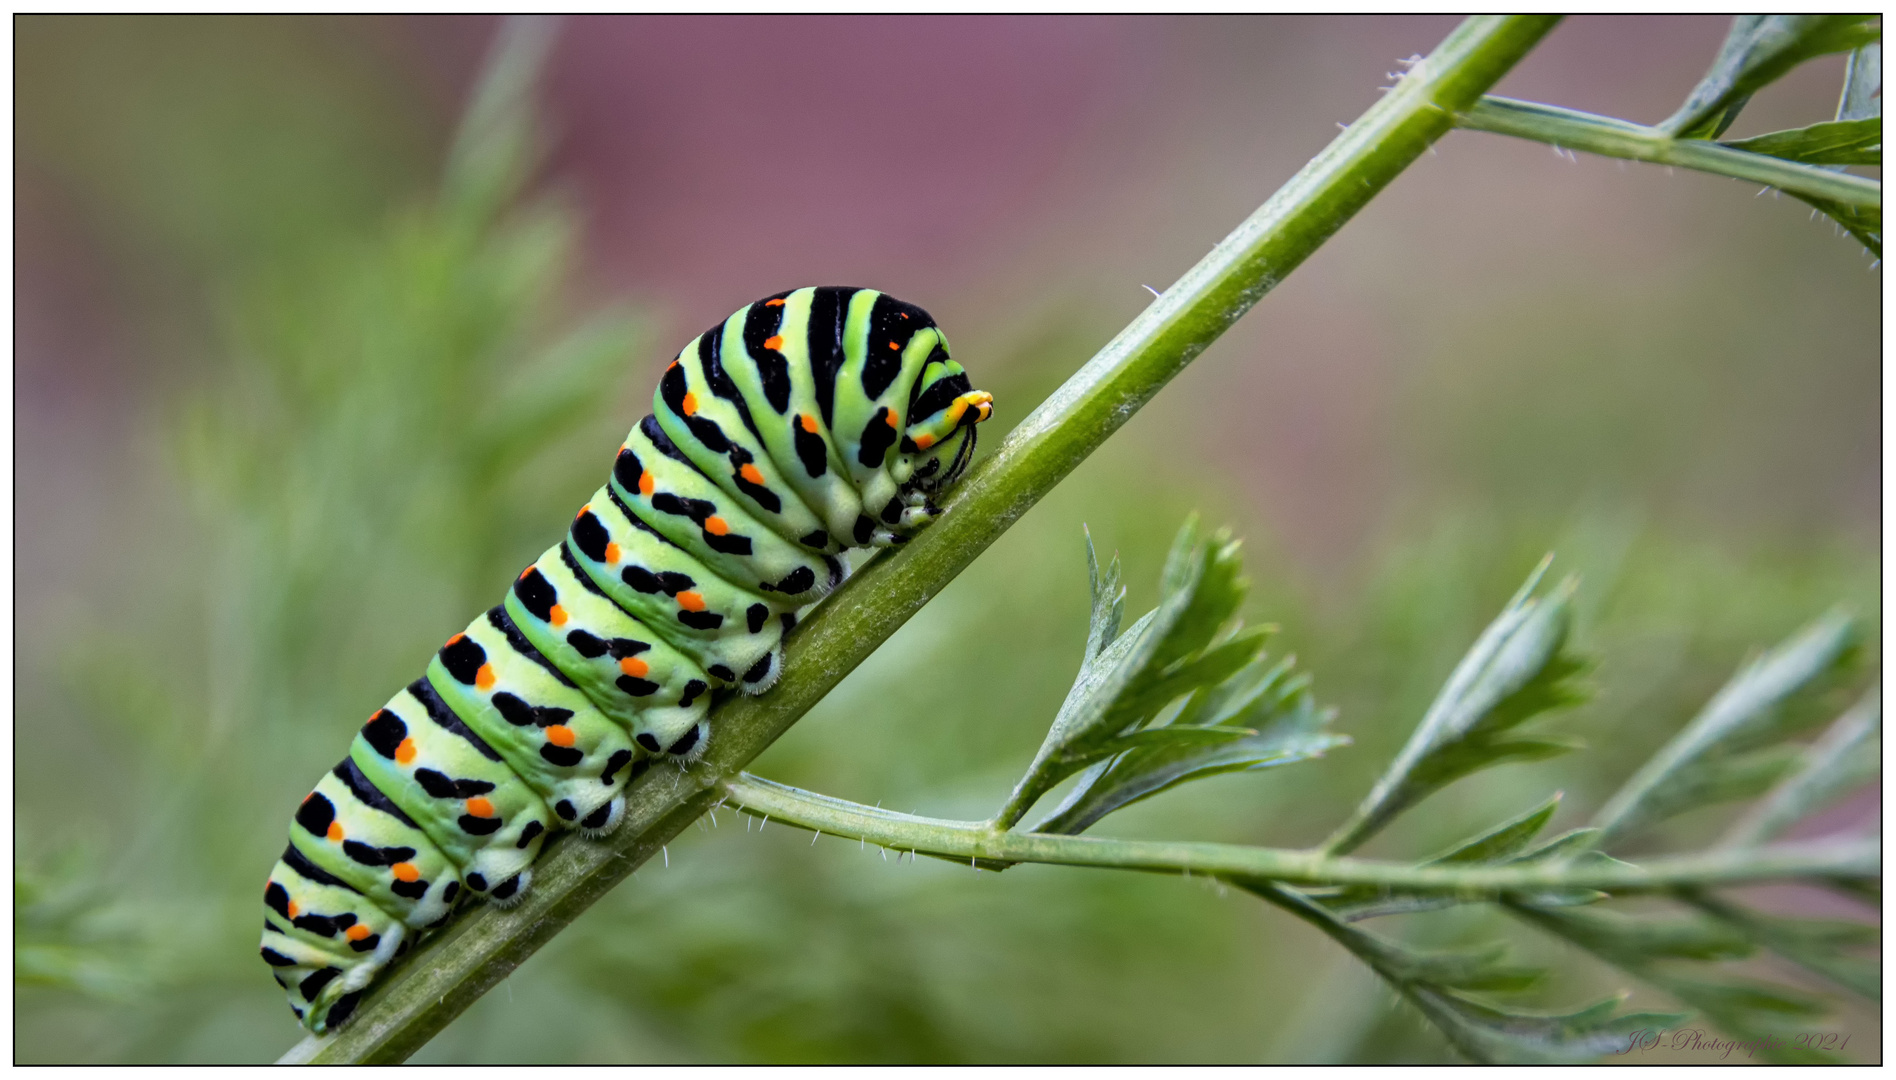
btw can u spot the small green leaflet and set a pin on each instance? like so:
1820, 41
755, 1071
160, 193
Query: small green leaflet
1518, 669
1183, 693
1833, 142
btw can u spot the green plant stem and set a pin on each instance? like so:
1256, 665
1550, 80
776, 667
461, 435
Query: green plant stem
983, 846
1570, 130
441, 978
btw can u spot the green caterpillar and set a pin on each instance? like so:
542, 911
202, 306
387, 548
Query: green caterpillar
806, 423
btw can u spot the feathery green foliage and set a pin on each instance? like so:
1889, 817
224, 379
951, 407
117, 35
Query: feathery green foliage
1446, 987
1184, 693
1848, 755
1655, 951
1516, 670
1503, 844
1734, 748
70, 934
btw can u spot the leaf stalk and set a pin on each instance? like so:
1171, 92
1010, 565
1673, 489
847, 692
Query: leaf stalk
962, 841
1568, 129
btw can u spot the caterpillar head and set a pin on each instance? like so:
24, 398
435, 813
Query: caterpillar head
943, 411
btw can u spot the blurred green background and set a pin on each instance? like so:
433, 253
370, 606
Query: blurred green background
289, 410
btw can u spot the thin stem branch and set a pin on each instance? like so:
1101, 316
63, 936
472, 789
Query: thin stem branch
982, 845
1570, 130
1357, 944
441, 978
1858, 974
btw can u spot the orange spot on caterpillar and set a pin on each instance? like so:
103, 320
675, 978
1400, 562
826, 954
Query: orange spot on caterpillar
612, 551
559, 735
356, 932
479, 807
405, 752
293, 909
335, 831
779, 303
924, 441
691, 601
405, 871
690, 403
751, 473
715, 526
774, 342
634, 667
808, 422
484, 678
890, 418
557, 616
645, 483
456, 638
894, 346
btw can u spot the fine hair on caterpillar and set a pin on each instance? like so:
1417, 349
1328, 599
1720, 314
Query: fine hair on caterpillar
808, 423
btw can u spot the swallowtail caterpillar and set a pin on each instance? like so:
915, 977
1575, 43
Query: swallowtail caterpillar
808, 422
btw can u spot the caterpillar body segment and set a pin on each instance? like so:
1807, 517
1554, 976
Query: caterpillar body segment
697, 515
458, 789
725, 629
356, 834
633, 675
542, 725
807, 423
880, 364
323, 939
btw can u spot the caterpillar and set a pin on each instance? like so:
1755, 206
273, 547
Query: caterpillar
808, 422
